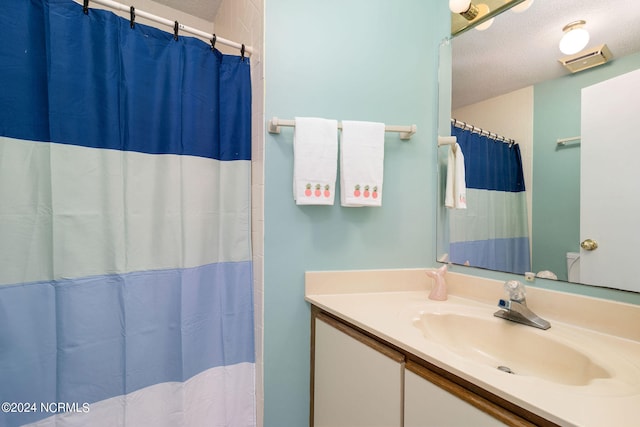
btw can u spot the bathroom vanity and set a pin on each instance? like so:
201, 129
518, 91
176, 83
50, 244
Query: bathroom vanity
360, 380
383, 354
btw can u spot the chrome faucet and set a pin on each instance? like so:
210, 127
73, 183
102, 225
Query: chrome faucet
515, 308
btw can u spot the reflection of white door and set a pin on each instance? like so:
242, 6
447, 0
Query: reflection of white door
610, 182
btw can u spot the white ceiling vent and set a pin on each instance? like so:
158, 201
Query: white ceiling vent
587, 58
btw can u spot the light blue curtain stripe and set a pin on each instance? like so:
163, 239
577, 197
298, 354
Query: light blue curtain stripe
510, 255
106, 208
496, 215
89, 339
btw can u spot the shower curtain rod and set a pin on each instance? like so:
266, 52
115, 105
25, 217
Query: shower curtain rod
464, 125
174, 24
405, 131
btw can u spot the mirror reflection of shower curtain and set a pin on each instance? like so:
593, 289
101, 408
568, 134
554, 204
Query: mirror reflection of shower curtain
492, 232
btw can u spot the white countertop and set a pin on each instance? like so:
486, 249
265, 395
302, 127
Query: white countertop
385, 302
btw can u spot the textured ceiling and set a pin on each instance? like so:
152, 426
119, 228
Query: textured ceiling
204, 9
521, 49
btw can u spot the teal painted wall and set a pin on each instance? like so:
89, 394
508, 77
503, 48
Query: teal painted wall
556, 177
355, 60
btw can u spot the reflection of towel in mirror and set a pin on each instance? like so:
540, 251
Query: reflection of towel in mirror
456, 187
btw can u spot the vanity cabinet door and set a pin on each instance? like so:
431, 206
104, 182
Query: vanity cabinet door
357, 382
431, 400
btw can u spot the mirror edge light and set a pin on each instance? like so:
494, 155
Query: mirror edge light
460, 25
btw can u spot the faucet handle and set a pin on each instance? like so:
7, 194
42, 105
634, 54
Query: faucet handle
504, 304
516, 291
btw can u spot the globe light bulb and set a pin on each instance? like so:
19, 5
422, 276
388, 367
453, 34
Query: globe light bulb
485, 25
522, 6
575, 38
459, 6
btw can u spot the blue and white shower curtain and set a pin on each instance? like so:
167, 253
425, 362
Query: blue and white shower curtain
125, 263
493, 231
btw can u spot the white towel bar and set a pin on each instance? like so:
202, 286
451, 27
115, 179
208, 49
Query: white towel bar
563, 141
447, 140
405, 131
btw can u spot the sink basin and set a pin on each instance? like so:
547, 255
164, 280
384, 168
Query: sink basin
510, 347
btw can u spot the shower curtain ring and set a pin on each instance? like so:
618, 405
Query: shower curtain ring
242, 52
132, 17
85, 7
175, 30
213, 42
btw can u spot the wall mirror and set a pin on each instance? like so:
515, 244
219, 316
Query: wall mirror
508, 80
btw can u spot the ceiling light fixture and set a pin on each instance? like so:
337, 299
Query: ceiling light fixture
575, 37
465, 8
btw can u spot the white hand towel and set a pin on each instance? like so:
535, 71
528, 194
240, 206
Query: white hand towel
361, 163
315, 161
456, 187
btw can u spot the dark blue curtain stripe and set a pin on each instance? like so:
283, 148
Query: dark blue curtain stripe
511, 255
490, 164
173, 109
23, 71
89, 339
